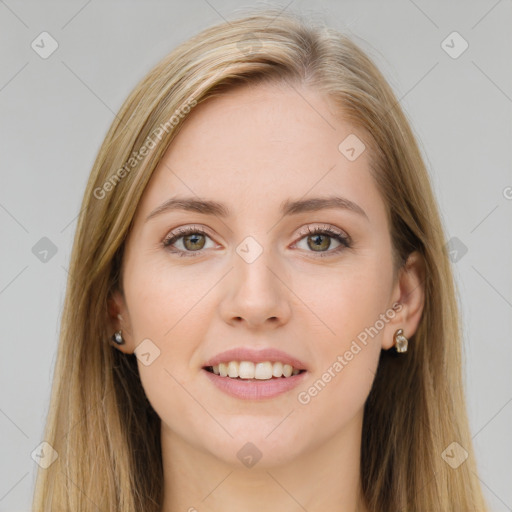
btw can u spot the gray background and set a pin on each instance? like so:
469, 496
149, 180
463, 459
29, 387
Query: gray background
56, 111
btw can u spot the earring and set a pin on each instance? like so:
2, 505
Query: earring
117, 338
400, 341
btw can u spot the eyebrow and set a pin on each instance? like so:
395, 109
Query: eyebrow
288, 207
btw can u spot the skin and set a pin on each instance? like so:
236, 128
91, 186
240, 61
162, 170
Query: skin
252, 149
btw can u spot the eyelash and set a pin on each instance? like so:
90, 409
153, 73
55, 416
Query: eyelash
344, 240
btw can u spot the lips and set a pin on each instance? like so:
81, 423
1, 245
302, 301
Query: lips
256, 356
252, 389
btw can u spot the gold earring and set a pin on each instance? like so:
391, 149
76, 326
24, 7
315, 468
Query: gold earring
400, 341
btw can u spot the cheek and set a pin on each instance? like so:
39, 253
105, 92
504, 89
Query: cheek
338, 394
346, 355
349, 305
164, 301
165, 306
344, 301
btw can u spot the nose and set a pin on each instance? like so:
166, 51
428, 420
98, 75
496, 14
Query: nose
255, 294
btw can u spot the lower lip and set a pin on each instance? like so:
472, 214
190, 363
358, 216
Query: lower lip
255, 389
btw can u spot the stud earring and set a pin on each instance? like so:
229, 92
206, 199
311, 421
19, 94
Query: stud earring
117, 338
400, 341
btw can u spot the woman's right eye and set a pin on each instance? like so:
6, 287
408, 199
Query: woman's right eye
192, 239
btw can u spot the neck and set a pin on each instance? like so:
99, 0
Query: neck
327, 477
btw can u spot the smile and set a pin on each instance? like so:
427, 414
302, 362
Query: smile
265, 370
254, 388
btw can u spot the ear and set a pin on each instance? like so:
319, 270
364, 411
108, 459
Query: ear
120, 320
408, 297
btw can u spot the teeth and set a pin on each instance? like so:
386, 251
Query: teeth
223, 369
232, 369
246, 369
249, 370
277, 369
262, 371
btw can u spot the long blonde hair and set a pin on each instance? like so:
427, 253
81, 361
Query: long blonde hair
100, 422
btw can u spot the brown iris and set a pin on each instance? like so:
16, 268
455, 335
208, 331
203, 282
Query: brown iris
316, 245
191, 241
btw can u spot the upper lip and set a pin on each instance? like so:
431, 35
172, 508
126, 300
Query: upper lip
256, 356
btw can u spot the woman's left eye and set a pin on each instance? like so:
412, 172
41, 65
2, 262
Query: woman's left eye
316, 238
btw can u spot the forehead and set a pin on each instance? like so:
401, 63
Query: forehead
261, 145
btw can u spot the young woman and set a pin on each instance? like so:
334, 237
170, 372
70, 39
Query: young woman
260, 313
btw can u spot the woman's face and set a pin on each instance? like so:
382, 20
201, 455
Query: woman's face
256, 278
